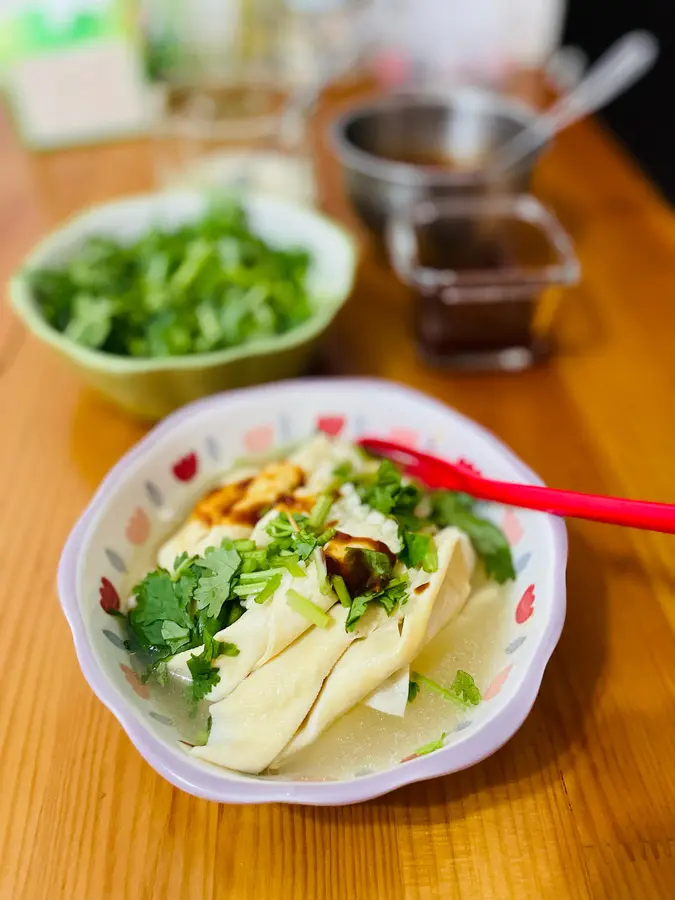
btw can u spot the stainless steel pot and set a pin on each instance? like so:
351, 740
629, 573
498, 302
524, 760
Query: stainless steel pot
465, 125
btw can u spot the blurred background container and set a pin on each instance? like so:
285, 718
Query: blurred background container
487, 273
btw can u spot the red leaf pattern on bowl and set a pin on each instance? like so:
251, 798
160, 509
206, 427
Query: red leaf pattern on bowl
525, 606
110, 599
497, 683
138, 527
257, 440
331, 425
186, 467
138, 687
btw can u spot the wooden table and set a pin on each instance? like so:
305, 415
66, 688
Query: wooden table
579, 804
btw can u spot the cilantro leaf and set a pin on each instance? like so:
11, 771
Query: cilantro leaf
487, 539
413, 690
176, 636
387, 494
382, 493
415, 549
295, 536
378, 563
432, 745
213, 589
390, 597
204, 676
156, 603
357, 610
463, 689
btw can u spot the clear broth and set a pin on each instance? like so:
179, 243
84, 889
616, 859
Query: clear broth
472, 642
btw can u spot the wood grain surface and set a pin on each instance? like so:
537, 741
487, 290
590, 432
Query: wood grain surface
580, 803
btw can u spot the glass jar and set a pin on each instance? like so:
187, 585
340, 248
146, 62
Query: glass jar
487, 273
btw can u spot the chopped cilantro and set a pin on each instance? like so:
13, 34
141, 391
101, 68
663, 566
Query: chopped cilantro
204, 675
382, 493
413, 690
320, 511
344, 470
308, 610
357, 609
415, 549
194, 287
179, 610
390, 597
432, 745
157, 602
214, 589
378, 563
463, 689
176, 636
386, 493
295, 535
340, 589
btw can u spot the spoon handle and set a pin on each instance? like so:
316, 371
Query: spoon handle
611, 510
622, 65
438, 473
618, 68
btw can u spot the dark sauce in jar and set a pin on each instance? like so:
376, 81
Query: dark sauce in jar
480, 320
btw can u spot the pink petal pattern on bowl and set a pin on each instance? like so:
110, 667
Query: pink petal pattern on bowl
497, 683
512, 527
138, 527
259, 440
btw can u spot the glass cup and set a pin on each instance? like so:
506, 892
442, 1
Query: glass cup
488, 274
223, 112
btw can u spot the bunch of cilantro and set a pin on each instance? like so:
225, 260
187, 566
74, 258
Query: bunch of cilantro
386, 492
205, 286
184, 609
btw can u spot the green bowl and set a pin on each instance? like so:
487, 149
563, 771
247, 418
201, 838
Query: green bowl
152, 388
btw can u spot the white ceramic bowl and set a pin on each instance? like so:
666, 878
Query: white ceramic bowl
136, 505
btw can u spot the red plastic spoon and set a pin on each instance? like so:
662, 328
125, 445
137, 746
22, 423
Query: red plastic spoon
438, 473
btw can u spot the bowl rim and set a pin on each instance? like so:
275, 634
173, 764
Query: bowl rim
23, 301
410, 174
183, 773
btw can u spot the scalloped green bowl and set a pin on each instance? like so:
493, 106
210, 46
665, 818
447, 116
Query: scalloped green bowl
152, 388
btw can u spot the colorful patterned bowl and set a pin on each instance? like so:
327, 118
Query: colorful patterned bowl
152, 388
134, 508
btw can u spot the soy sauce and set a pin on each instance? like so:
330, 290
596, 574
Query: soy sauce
473, 324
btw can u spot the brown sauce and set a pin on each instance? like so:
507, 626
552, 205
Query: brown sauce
215, 507
449, 322
421, 588
429, 159
343, 557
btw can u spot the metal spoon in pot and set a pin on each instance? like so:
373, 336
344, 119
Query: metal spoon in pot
618, 68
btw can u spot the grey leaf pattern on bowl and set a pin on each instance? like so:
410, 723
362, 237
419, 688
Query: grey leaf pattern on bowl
518, 642
116, 560
154, 494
